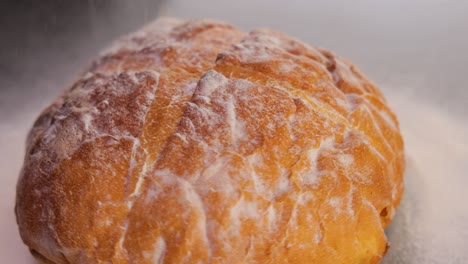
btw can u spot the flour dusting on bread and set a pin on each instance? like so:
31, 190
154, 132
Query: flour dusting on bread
194, 142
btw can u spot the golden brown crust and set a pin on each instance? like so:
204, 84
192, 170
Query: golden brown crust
193, 142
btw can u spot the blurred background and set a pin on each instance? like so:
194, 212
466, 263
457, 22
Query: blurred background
416, 51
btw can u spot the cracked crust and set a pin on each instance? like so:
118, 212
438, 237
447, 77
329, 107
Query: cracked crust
193, 142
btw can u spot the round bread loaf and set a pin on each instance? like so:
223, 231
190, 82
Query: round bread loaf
194, 142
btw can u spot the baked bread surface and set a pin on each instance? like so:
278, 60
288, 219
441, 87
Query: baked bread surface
194, 142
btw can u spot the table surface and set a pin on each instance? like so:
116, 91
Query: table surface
415, 50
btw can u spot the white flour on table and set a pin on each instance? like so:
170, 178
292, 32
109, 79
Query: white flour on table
431, 224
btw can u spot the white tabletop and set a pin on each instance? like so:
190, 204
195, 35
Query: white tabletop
415, 50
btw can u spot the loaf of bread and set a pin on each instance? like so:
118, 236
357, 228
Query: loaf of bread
194, 142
